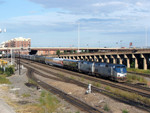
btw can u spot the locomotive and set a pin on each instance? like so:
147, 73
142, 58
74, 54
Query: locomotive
115, 72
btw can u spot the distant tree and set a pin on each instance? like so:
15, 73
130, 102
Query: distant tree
87, 51
58, 52
65, 51
75, 51
71, 51
133, 64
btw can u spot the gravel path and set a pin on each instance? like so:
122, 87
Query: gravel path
5, 108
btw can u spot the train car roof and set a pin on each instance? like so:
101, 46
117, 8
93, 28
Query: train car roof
70, 60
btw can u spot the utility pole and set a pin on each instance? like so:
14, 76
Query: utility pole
78, 37
19, 64
146, 37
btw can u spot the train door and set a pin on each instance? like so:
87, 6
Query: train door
92, 68
79, 65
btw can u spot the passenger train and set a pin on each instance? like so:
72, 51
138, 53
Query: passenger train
116, 72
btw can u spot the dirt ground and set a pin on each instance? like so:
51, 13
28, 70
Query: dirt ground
97, 100
13, 100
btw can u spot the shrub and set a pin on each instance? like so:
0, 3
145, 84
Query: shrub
58, 52
1, 70
124, 111
9, 70
106, 108
71, 51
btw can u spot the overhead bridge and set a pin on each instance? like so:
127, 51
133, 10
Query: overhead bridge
135, 58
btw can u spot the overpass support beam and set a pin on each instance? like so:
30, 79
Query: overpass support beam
114, 60
144, 62
96, 59
86, 58
120, 60
91, 58
74, 58
107, 59
82, 58
128, 61
78, 58
101, 58
136, 61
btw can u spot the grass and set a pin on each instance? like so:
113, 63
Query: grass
32, 81
135, 78
131, 96
4, 80
106, 108
48, 102
124, 111
97, 84
72, 78
26, 95
138, 70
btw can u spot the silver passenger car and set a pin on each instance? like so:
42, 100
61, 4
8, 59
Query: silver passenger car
85, 66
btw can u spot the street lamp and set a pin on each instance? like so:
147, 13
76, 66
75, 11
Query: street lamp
4, 30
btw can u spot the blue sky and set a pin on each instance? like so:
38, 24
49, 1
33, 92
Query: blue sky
54, 23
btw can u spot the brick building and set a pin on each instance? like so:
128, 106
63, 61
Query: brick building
18, 42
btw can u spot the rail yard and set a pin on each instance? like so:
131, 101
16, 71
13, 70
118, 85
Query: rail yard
79, 79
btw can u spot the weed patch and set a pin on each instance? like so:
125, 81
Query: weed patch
4, 80
127, 95
48, 102
135, 78
138, 70
124, 111
106, 108
26, 95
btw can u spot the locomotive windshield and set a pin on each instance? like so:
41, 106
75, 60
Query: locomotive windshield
120, 69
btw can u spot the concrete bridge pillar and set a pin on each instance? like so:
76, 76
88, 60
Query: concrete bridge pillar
86, 58
74, 58
120, 59
82, 58
136, 61
144, 62
128, 61
96, 59
101, 58
107, 59
90, 57
113, 58
78, 58
69, 57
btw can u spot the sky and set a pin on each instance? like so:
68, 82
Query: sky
62, 23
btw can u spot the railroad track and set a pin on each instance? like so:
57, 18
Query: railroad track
141, 74
81, 105
143, 91
95, 89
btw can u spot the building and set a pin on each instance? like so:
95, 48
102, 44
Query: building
18, 42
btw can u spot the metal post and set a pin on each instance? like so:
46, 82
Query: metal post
78, 36
11, 57
146, 37
19, 64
